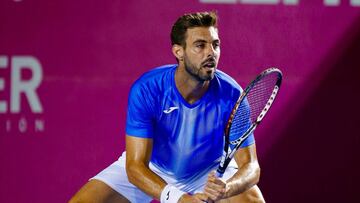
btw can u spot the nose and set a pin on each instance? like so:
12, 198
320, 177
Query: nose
211, 51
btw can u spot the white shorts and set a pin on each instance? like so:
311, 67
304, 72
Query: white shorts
115, 177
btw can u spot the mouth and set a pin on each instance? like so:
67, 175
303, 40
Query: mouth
209, 65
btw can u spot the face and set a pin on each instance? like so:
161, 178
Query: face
202, 52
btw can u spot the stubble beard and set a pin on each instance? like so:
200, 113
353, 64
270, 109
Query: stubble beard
196, 72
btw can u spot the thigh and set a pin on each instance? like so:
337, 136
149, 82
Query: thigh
252, 195
112, 184
96, 191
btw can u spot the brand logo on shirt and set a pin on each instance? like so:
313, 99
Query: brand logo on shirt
168, 195
171, 109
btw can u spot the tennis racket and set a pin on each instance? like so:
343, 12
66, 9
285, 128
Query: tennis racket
251, 107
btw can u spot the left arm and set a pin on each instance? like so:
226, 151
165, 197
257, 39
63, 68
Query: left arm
247, 176
248, 173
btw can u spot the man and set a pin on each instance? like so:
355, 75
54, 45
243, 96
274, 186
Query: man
175, 123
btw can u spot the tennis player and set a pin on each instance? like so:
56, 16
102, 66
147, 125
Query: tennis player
174, 130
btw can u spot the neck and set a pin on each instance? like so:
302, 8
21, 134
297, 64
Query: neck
189, 87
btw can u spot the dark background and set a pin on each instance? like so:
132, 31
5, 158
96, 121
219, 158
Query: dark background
90, 52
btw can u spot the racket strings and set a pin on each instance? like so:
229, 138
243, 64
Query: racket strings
252, 105
260, 95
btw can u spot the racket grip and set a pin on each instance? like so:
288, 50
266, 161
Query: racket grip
219, 174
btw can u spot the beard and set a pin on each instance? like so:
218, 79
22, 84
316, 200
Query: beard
200, 73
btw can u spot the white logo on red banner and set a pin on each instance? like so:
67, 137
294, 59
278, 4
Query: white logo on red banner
19, 89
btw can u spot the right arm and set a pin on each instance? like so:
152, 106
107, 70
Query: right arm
138, 154
141, 113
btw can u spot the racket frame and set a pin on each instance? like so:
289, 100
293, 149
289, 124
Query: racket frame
228, 154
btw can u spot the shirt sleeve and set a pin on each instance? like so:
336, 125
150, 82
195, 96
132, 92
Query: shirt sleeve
139, 121
248, 141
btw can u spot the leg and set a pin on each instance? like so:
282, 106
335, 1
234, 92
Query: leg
253, 195
111, 186
96, 191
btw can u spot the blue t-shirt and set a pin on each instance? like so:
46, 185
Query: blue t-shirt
187, 138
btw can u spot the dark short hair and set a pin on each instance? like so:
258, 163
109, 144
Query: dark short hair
199, 19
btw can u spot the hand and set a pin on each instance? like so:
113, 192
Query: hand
215, 188
196, 198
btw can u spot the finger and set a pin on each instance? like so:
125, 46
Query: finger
216, 186
212, 178
210, 197
212, 194
216, 181
215, 192
201, 196
211, 174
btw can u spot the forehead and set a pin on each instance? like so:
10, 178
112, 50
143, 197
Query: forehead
202, 33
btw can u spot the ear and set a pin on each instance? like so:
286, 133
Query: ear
178, 51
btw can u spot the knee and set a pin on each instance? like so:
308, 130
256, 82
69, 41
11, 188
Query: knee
258, 200
252, 195
255, 195
75, 199
80, 198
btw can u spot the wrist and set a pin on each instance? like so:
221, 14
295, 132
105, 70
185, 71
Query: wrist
171, 194
231, 189
183, 197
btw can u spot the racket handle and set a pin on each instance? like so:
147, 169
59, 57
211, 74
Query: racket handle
219, 174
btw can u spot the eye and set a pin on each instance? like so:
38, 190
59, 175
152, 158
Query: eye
200, 45
216, 45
